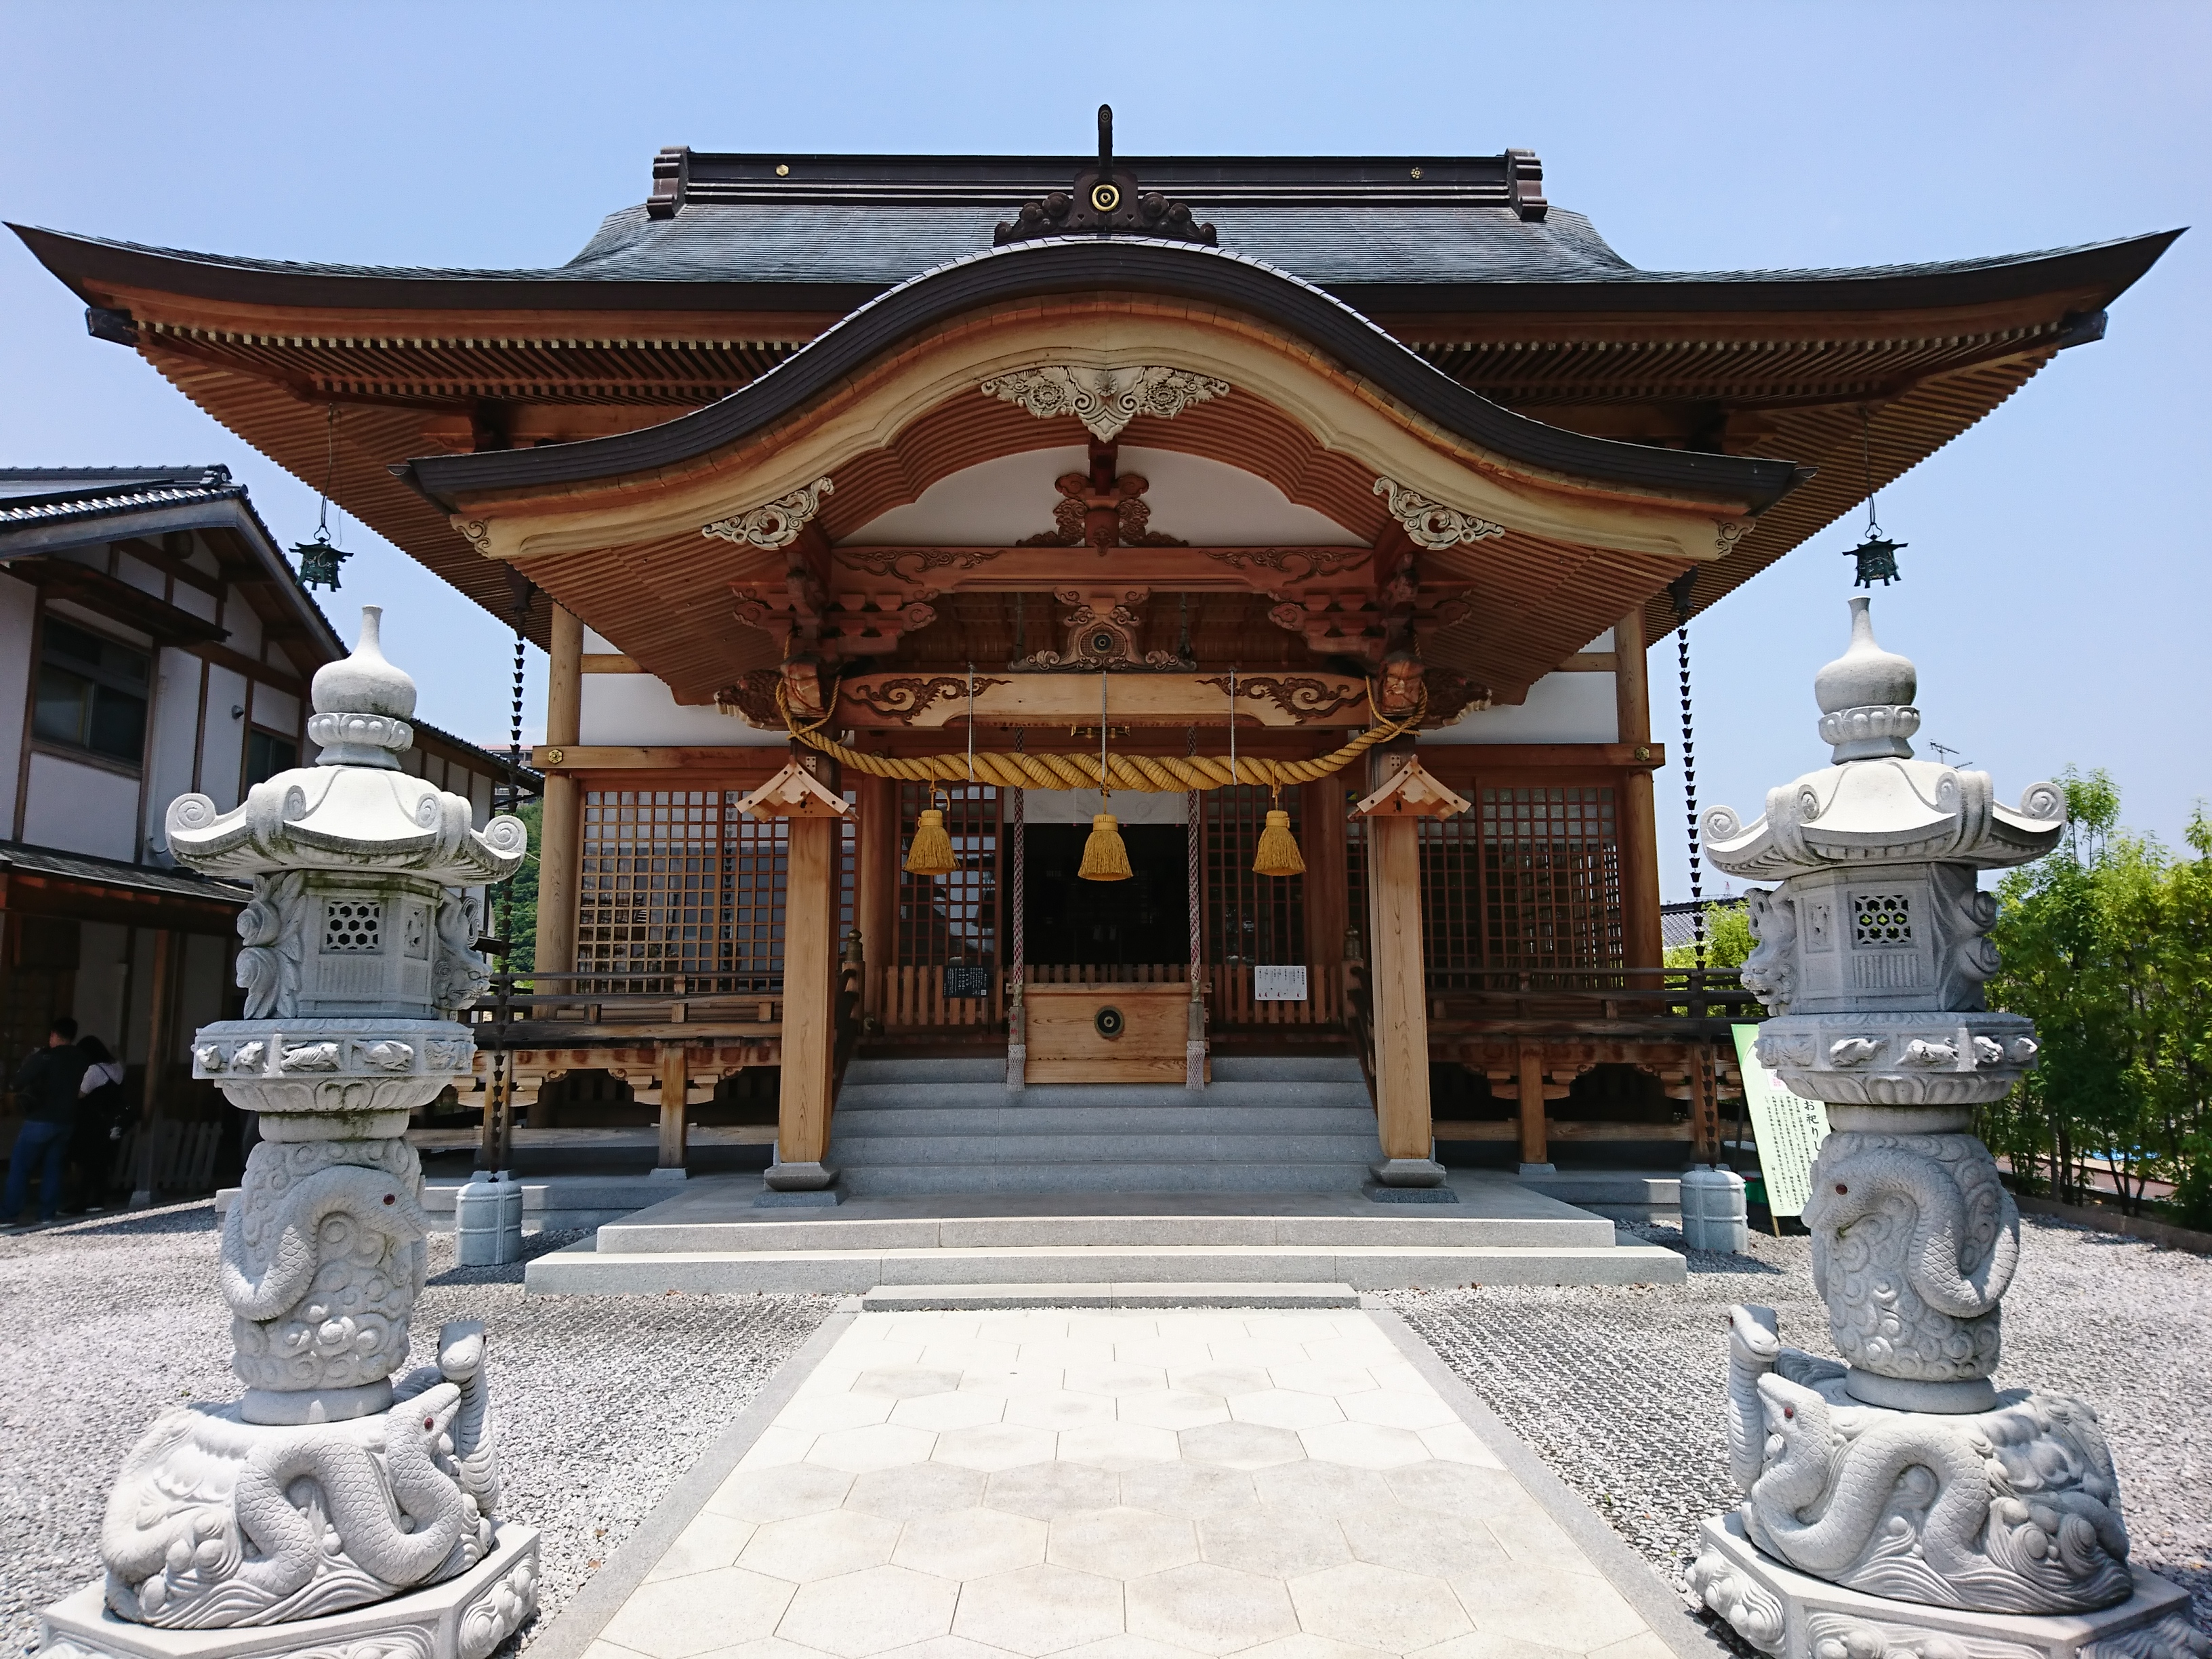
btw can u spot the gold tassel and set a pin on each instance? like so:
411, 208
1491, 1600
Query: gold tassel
931, 854
1105, 858
1278, 854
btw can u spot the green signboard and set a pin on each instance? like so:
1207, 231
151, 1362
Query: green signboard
1789, 1128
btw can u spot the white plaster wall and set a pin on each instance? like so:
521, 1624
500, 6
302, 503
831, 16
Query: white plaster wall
598, 642
226, 736
103, 965
245, 627
637, 709
81, 809
277, 710
141, 575
1080, 806
18, 604
176, 734
1574, 708
197, 600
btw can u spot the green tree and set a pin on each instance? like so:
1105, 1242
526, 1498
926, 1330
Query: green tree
1727, 940
515, 903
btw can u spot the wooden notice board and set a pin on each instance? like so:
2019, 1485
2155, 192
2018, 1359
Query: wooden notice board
1067, 1043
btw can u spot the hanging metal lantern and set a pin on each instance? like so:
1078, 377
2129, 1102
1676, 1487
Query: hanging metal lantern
1877, 559
319, 561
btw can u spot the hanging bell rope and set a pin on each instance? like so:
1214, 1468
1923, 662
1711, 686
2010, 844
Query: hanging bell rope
1277, 852
1104, 857
1134, 774
930, 854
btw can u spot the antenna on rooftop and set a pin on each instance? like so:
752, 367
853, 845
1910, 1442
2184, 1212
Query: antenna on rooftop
1948, 755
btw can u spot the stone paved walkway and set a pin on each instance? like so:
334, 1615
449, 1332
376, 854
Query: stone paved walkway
1121, 1485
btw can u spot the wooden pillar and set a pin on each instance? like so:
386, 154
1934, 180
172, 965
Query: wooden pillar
1399, 989
162, 993
809, 965
1535, 1146
876, 884
675, 1080
1327, 885
562, 830
1638, 822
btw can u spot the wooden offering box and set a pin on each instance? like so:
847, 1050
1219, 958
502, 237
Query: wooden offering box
1067, 1043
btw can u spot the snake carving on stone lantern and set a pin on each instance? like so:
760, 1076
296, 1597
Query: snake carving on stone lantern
1899, 1503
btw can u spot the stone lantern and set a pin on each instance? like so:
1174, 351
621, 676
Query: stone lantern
1900, 1505
333, 1508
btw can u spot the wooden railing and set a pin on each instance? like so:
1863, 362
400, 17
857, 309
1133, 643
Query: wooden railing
1675, 1001
538, 1010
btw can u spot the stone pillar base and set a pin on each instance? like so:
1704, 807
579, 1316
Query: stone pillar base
463, 1618
1792, 1616
1407, 1172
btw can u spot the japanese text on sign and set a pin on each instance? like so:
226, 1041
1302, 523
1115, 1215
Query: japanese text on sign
1789, 1128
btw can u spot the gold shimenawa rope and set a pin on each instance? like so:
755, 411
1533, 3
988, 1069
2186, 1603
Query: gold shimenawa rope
1136, 774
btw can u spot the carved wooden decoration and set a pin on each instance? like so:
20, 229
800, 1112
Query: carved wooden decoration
1049, 700
913, 699
1104, 399
793, 793
1102, 633
777, 523
1303, 697
1412, 792
1102, 201
1432, 523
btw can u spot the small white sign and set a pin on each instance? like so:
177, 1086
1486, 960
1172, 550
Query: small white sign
1788, 1127
1278, 984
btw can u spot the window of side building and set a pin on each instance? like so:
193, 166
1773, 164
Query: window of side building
92, 693
268, 753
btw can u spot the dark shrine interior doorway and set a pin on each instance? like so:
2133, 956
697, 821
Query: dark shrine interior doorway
1107, 924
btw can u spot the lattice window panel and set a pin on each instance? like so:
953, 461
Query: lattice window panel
1551, 869
1248, 918
1882, 920
1453, 937
945, 920
353, 927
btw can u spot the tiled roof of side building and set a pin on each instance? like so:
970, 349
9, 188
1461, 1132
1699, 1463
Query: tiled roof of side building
53, 493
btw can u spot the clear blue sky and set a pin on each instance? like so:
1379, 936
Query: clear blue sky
2055, 595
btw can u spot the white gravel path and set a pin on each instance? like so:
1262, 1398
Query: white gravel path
603, 1402
1621, 1390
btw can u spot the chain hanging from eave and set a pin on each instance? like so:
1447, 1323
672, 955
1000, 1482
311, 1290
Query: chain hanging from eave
500, 1107
1681, 590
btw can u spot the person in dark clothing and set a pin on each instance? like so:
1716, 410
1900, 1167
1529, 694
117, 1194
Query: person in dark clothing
102, 1114
47, 1083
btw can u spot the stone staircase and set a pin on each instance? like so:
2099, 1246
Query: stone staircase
908, 1127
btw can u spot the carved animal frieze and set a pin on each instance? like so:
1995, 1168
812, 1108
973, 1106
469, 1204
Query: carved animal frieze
1303, 696
903, 697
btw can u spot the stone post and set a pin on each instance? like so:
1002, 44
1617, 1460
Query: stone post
1898, 1504
351, 1507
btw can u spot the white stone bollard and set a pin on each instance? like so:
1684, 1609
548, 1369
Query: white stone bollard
1713, 1214
488, 1220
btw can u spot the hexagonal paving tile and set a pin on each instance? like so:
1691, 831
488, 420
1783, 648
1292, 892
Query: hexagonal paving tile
1042, 1490
1061, 1410
820, 1546
879, 1447
1483, 1644
907, 1382
1126, 1647
1013, 1381
1335, 1490
710, 1540
777, 1494
678, 1618
1115, 1379
1445, 1546
1398, 1408
1039, 1610
1241, 1445
1457, 1489
1271, 1539
1118, 1446
996, 1446
939, 1413
1314, 1376
1210, 1609
972, 1544
859, 1614
1579, 1612
815, 1412
1455, 1443
913, 1490
1219, 1379
937, 1647
1284, 1408
1378, 1606
1121, 1543
1189, 1490
1364, 1445
1173, 1408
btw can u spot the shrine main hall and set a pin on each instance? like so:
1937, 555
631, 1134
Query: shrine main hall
874, 510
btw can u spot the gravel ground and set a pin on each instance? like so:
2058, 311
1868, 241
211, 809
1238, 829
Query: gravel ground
602, 1402
1620, 1391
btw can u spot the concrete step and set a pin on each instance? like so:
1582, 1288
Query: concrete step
986, 1069
927, 1095
925, 1298
702, 1226
1273, 1068
994, 1121
581, 1270
1289, 1068
1137, 1146
1000, 1174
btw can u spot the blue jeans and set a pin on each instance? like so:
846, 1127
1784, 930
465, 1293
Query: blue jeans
49, 1141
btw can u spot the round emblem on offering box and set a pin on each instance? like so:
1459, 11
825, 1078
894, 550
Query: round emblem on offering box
1109, 1023
1105, 197
1102, 644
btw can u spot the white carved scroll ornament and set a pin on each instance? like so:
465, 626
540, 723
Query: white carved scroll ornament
774, 524
1104, 399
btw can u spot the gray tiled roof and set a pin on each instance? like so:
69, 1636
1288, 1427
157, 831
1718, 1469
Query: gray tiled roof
50, 495
113, 872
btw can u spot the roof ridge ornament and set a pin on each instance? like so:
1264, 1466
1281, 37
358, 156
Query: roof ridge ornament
774, 524
1105, 201
1104, 399
1432, 523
